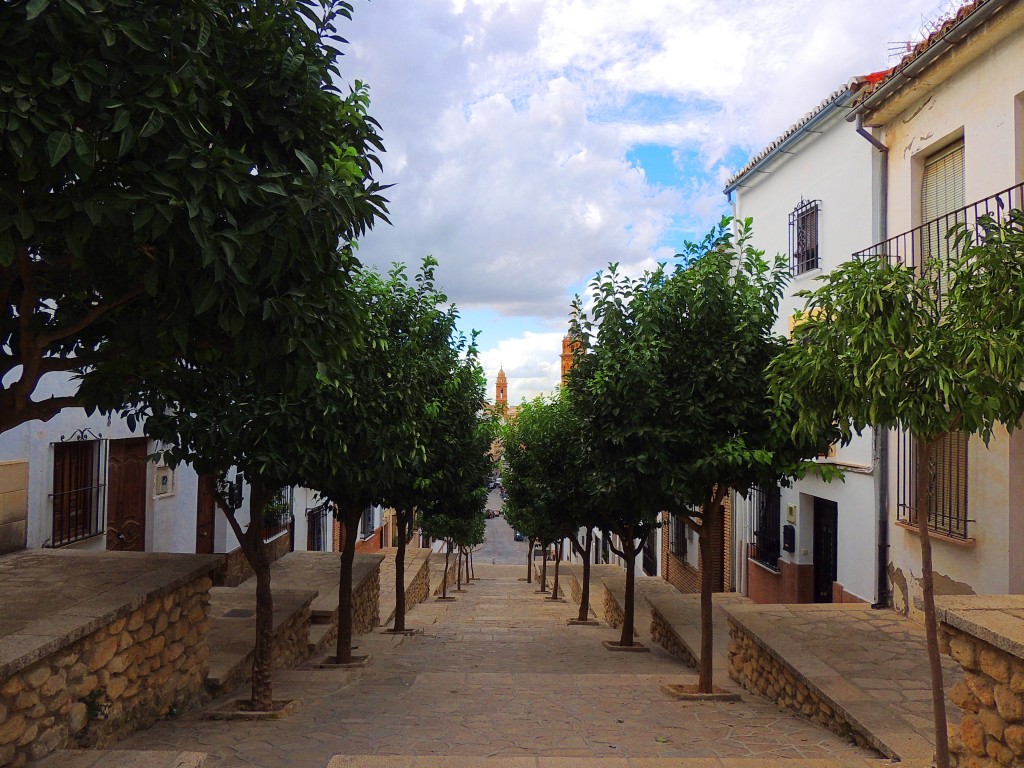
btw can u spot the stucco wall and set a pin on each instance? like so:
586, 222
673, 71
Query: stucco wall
980, 103
837, 167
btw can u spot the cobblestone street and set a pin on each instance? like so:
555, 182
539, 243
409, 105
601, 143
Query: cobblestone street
497, 673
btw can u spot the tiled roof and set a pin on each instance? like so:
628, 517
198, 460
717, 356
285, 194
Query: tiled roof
918, 50
832, 98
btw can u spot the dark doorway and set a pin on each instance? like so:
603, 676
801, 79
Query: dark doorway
650, 558
206, 513
126, 495
826, 524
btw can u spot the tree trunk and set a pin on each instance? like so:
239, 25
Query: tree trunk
544, 568
711, 519
255, 551
472, 565
629, 609
444, 579
924, 473
349, 530
263, 654
458, 569
585, 587
529, 562
399, 625
558, 558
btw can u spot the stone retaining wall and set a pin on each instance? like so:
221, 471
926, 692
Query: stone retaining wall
758, 670
419, 589
992, 697
365, 605
236, 568
613, 615
451, 577
145, 664
664, 635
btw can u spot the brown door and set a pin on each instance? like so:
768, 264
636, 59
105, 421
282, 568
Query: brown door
206, 509
126, 495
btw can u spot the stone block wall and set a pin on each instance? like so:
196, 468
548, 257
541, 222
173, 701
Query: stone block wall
123, 677
664, 635
613, 615
366, 604
419, 588
992, 697
758, 670
236, 568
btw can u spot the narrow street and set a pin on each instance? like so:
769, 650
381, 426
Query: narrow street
497, 673
500, 547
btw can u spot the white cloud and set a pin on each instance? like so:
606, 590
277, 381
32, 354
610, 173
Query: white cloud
531, 362
508, 122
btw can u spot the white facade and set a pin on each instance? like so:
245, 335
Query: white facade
971, 90
170, 516
821, 161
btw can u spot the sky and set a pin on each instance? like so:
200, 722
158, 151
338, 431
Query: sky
533, 142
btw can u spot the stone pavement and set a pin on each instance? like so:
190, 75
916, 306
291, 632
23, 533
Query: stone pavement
870, 665
496, 675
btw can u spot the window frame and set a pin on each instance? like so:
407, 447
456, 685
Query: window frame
805, 226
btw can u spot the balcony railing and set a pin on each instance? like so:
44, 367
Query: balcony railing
933, 246
763, 511
931, 242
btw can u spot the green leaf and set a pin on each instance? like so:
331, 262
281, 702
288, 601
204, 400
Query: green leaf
58, 144
306, 161
35, 7
152, 126
84, 149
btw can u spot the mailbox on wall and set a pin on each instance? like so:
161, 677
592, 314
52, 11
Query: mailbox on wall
789, 538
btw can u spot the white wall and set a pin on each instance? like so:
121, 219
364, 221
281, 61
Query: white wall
833, 165
170, 519
981, 103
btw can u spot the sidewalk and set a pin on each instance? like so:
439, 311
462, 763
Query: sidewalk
498, 676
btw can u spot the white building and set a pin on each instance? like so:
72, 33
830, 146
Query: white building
810, 195
949, 122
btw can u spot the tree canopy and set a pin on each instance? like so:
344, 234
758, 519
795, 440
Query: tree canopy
164, 168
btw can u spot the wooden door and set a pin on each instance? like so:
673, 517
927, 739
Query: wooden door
826, 545
126, 495
206, 512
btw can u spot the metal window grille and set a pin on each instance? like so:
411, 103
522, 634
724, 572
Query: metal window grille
277, 516
947, 484
803, 237
79, 491
318, 528
763, 509
677, 542
650, 558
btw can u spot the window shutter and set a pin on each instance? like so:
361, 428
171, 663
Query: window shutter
942, 189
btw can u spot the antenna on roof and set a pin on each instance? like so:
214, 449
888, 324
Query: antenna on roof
931, 22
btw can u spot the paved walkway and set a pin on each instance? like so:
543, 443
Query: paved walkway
499, 675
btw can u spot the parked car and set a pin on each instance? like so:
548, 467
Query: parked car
519, 536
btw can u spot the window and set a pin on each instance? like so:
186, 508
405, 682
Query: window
79, 491
277, 515
366, 526
942, 207
763, 505
318, 520
803, 237
677, 536
947, 510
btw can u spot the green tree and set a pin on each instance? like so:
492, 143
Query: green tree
611, 384
372, 443
883, 345
162, 168
710, 319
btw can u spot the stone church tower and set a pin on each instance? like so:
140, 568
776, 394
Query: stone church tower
569, 347
501, 390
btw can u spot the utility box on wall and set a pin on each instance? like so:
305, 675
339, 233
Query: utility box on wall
789, 538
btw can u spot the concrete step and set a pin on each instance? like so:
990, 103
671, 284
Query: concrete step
457, 761
121, 758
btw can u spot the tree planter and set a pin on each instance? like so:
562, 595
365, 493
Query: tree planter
634, 647
358, 662
241, 709
689, 692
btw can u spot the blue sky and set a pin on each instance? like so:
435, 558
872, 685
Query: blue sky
531, 142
